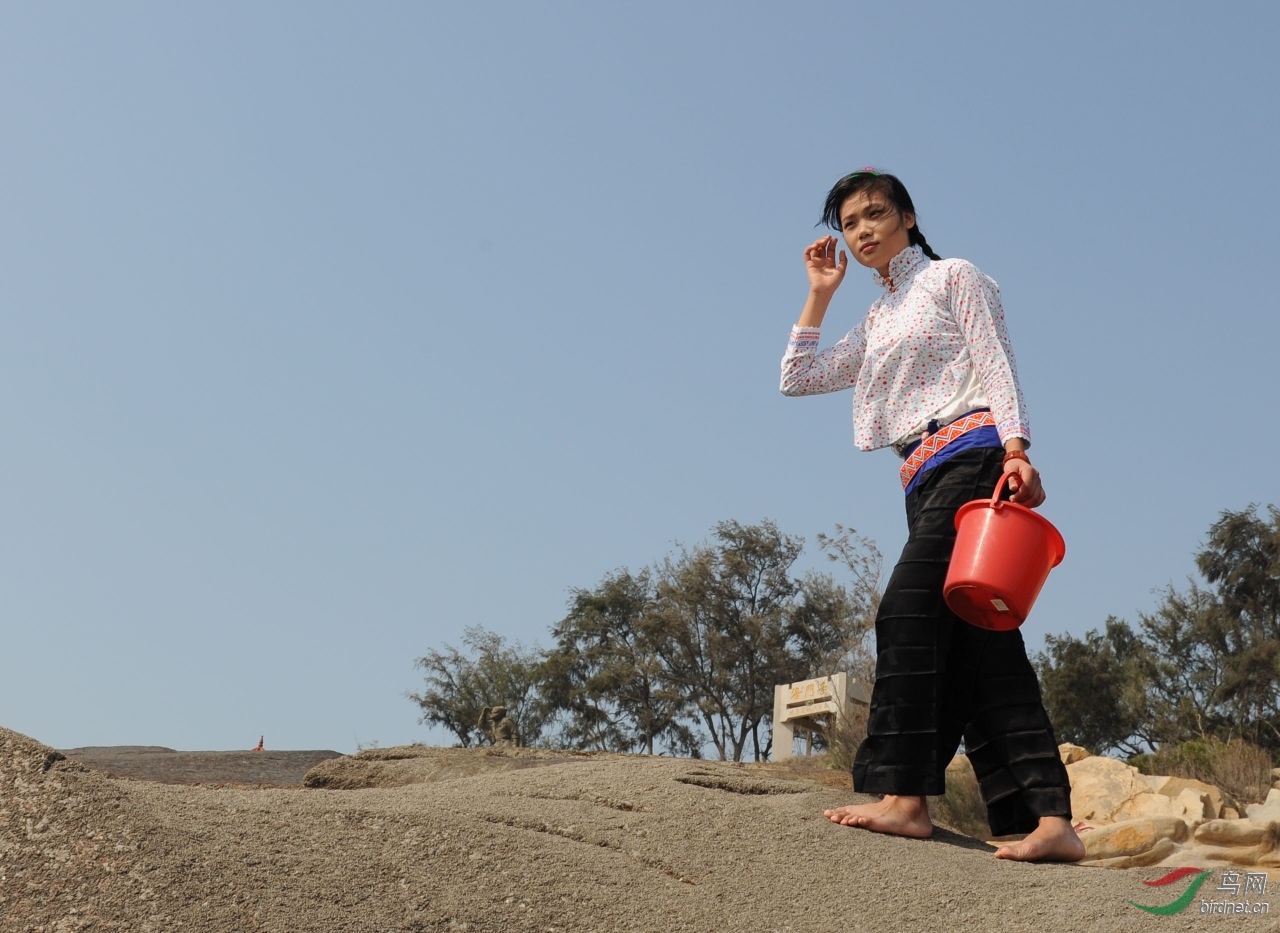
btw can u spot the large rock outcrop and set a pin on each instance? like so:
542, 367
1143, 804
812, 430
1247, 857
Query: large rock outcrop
1127, 819
65, 838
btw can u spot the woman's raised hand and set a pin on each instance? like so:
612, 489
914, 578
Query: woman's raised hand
826, 272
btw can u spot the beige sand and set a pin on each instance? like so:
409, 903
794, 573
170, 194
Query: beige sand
513, 841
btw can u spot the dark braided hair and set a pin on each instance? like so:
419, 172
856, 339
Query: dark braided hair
869, 181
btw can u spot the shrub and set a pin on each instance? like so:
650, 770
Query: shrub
1241, 770
844, 737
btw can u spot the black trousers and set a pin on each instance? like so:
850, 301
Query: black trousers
939, 678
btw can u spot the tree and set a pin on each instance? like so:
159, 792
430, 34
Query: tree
1204, 665
458, 687
853, 615
723, 639
674, 658
1183, 666
825, 626
605, 673
1242, 561
1093, 688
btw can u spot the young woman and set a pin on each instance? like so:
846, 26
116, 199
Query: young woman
933, 378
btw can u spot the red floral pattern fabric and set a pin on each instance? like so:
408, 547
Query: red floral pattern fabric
938, 324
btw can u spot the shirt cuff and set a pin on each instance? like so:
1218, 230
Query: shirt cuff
804, 338
1014, 429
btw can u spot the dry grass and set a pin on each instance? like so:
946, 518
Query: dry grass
962, 808
845, 737
1237, 768
817, 769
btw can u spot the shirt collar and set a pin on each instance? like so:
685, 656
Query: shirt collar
901, 267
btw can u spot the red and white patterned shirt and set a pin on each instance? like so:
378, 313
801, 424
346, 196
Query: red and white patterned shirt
933, 346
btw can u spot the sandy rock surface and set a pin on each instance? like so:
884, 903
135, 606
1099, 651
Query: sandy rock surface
515, 840
156, 763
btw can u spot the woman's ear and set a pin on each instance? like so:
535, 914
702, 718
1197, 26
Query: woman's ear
909, 220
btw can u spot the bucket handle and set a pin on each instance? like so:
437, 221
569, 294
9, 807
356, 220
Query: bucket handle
1004, 477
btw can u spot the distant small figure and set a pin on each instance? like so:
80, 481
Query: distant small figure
260, 746
500, 726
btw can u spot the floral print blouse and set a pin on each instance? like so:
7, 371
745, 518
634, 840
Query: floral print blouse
933, 346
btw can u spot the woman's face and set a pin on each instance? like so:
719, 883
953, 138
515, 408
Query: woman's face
874, 230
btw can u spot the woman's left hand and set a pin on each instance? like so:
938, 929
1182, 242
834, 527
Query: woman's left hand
1025, 484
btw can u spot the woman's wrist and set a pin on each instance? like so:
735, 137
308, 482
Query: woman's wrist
815, 309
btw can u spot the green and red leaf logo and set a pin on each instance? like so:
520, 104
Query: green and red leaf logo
1199, 876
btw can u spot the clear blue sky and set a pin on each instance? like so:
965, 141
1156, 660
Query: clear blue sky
332, 329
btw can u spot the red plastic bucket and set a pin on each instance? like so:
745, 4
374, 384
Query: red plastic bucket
1002, 557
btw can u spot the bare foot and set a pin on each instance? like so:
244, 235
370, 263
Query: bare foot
897, 816
1054, 840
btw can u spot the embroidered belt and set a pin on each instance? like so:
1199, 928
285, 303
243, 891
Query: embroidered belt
940, 439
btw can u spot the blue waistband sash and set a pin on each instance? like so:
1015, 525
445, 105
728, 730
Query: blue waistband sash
985, 436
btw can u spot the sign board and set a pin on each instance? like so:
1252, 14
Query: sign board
810, 698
